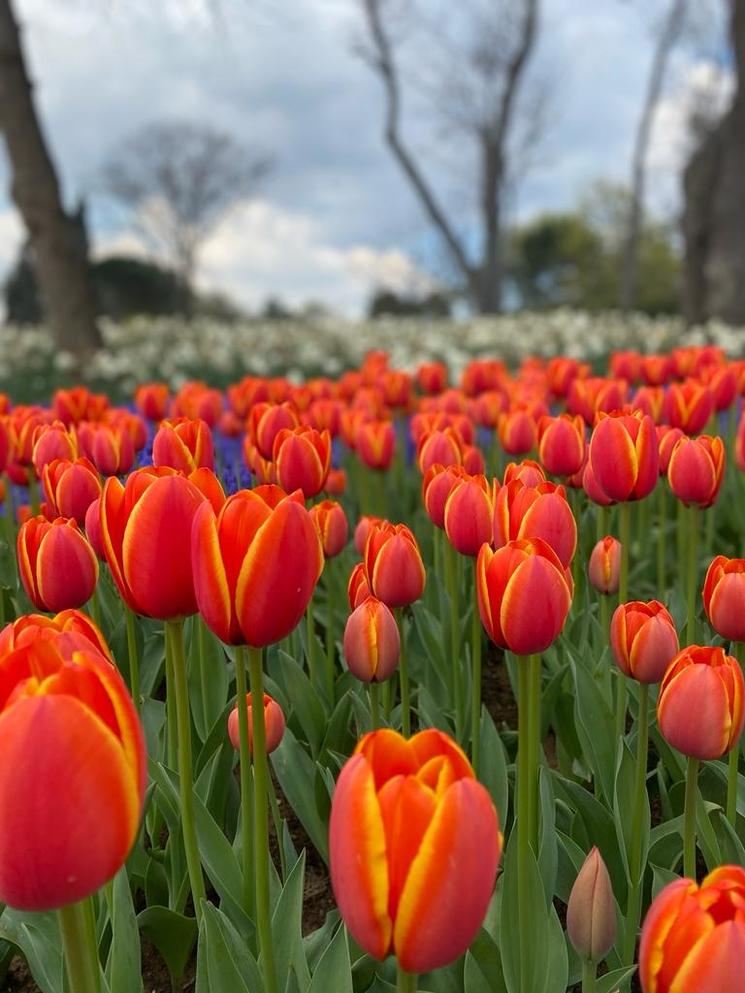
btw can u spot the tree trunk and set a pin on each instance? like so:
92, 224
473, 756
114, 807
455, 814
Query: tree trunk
57, 240
489, 285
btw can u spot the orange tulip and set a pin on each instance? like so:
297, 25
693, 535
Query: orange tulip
372, 644
357, 587
53, 441
696, 470
274, 724
146, 528
72, 629
415, 844
693, 937
437, 485
701, 706
184, 444
375, 443
256, 564
535, 512
468, 514
70, 488
265, 422
604, 568
724, 597
643, 639
57, 566
108, 446
65, 717
561, 444
518, 431
445, 447
151, 399
432, 377
688, 406
624, 455
303, 459
393, 565
332, 526
528, 472
510, 582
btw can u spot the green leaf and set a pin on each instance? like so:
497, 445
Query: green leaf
483, 966
227, 966
548, 855
593, 717
334, 971
295, 770
172, 934
37, 938
624, 801
493, 766
305, 702
209, 677
661, 877
614, 980
557, 973
287, 921
509, 930
123, 968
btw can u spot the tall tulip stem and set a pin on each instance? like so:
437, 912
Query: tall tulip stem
451, 575
733, 760
661, 535
310, 631
374, 689
624, 512
134, 663
640, 791
403, 675
693, 529
186, 785
81, 955
261, 825
33, 491
475, 675
589, 974
246, 784
689, 820
406, 982
527, 776
330, 639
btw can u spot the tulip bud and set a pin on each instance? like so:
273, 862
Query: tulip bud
303, 459
643, 639
624, 455
432, 377
71, 487
688, 406
184, 444
437, 484
53, 441
724, 597
468, 514
517, 431
274, 724
541, 511
445, 447
591, 911
393, 565
372, 644
266, 420
357, 587
336, 482
473, 460
151, 399
604, 568
528, 472
375, 443
696, 470
561, 444
331, 525
57, 566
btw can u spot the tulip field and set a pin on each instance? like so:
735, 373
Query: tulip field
411, 679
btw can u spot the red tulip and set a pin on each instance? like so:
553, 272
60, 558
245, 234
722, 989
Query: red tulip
274, 724
432, 377
358, 589
415, 844
184, 444
78, 404
109, 447
71, 629
667, 439
70, 488
371, 641
604, 568
393, 565
468, 514
689, 405
437, 485
696, 470
643, 639
151, 399
561, 444
518, 431
266, 420
53, 441
444, 447
336, 482
535, 512
363, 529
650, 400
331, 525
656, 369
594, 395
57, 566
724, 597
303, 459
375, 443
528, 472
624, 455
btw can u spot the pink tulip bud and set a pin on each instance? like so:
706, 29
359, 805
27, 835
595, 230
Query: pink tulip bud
591, 912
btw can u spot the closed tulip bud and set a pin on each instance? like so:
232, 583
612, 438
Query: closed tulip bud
510, 582
535, 512
432, 377
151, 399
336, 482
722, 381
375, 443
362, 530
184, 444
70, 488
109, 447
393, 565
303, 460
643, 639
473, 460
415, 843
561, 444
591, 911
724, 597
358, 589
274, 724
65, 717
688, 406
624, 455
701, 706
57, 566
468, 514
693, 938
656, 370
437, 485
517, 431
146, 527
696, 470
93, 531
604, 568
245, 591
667, 439
529, 472
331, 525
650, 400
371, 642
265, 422
445, 447
53, 441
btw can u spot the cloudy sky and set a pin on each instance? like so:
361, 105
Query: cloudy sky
335, 218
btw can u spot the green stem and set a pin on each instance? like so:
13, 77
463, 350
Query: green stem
475, 676
534, 670
244, 750
374, 689
661, 535
406, 982
203, 673
95, 607
403, 674
524, 817
310, 631
624, 512
134, 666
186, 785
689, 822
33, 491
451, 578
261, 827
171, 722
640, 792
737, 648
330, 640
80, 952
693, 529
589, 973
601, 522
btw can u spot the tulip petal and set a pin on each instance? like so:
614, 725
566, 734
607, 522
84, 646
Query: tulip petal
714, 963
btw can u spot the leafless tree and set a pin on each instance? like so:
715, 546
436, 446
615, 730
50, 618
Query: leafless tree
475, 80
57, 239
179, 179
665, 43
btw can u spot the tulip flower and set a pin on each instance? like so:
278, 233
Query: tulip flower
724, 597
151, 399
481, 375
71, 629
303, 459
66, 717
593, 395
561, 444
371, 641
393, 565
591, 911
92, 528
604, 567
468, 514
53, 441
511, 581
109, 447
184, 444
57, 566
528, 472
624, 455
362, 530
358, 589
274, 722
375, 444
693, 938
517, 431
432, 377
592, 488
437, 484
336, 482
255, 565
414, 844
696, 470
540, 511
266, 420
78, 404
197, 400
643, 639
561, 373
667, 439
444, 447
71, 487
473, 460
332, 526
688, 406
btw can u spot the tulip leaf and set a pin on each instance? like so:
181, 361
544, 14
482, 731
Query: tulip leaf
493, 767
287, 928
733, 851
305, 703
37, 938
172, 934
334, 971
593, 717
338, 736
509, 928
624, 802
295, 771
123, 968
548, 855
661, 877
483, 966
316, 942
227, 966
614, 980
208, 674
557, 973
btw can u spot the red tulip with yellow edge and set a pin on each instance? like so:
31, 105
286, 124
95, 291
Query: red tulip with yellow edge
437, 485
468, 514
372, 645
109, 446
358, 589
724, 597
151, 400
444, 447
57, 566
303, 459
266, 420
540, 511
274, 722
517, 431
693, 937
604, 567
71, 629
65, 718
393, 565
688, 406
184, 444
375, 443
78, 404
432, 377
696, 470
561, 444
53, 441
624, 455
593, 395
332, 526
70, 487
245, 589
529, 472
414, 845
643, 639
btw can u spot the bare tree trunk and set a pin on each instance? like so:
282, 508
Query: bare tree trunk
665, 43
58, 244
